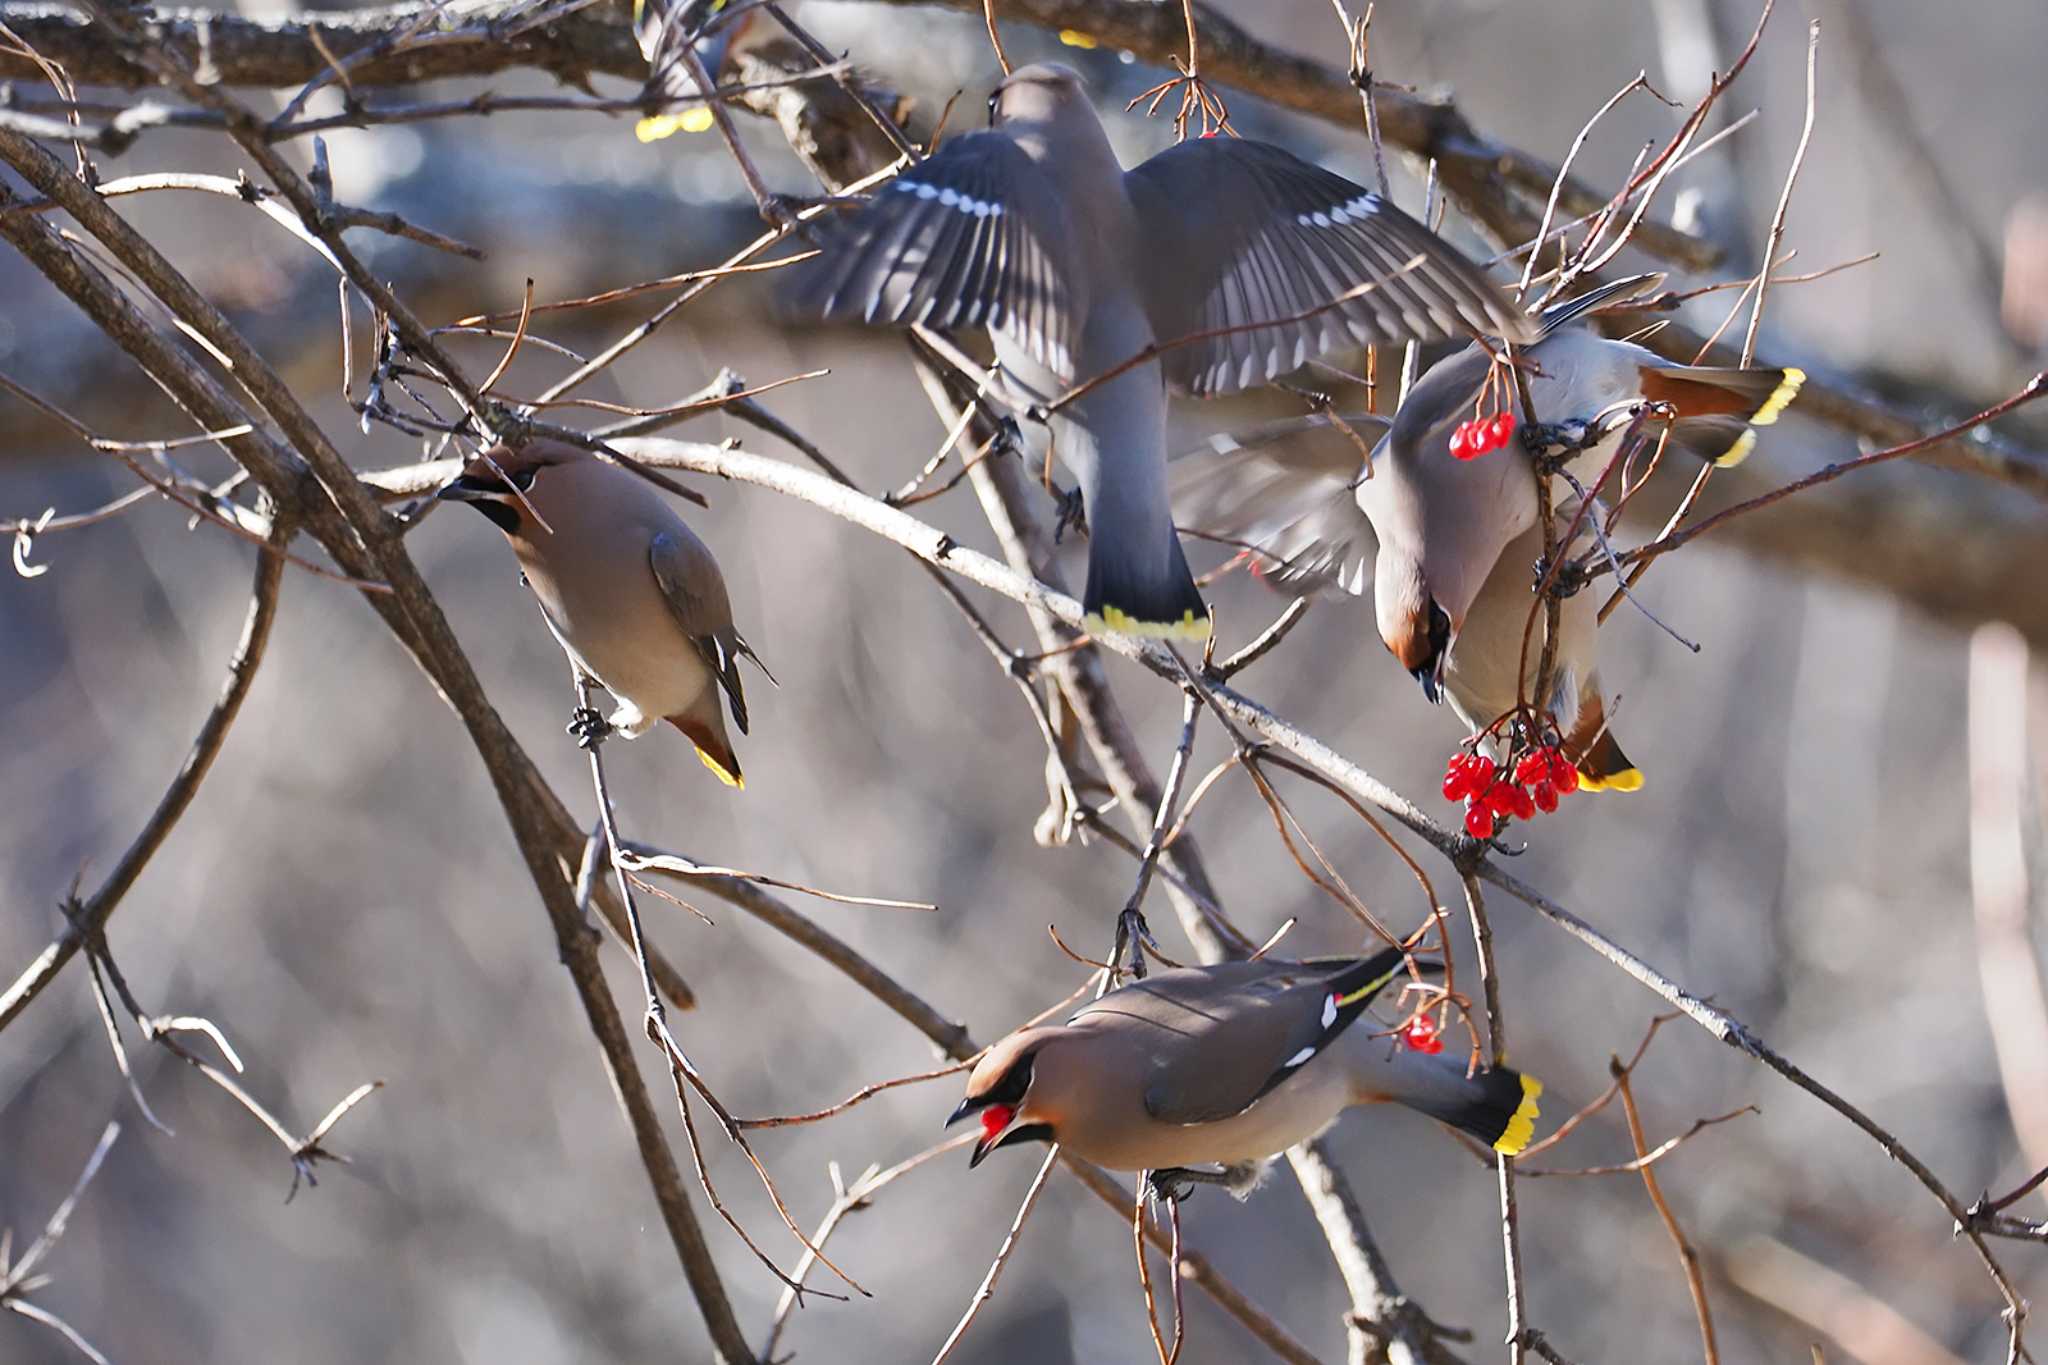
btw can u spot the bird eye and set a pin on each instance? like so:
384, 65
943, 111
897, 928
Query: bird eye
522, 479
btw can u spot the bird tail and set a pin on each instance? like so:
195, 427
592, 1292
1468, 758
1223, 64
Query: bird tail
713, 747
1720, 407
1142, 594
662, 28
1499, 1107
1602, 765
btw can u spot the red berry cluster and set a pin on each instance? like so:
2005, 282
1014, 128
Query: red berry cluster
1482, 434
1421, 1035
1541, 778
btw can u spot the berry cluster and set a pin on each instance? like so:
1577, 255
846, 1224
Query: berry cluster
1421, 1035
1541, 778
1480, 435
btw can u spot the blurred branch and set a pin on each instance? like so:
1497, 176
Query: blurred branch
2015, 1003
1504, 1167
90, 916
1803, 1289
18, 1278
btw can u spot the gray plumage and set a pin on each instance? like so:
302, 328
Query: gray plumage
1227, 1064
629, 591
1035, 231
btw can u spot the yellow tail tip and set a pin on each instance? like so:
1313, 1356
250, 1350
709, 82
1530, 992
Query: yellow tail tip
1190, 626
1626, 780
695, 119
730, 779
1737, 453
1522, 1127
1074, 37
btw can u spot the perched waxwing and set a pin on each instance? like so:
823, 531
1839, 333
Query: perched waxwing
1435, 526
1036, 232
716, 29
629, 591
1227, 1065
1487, 671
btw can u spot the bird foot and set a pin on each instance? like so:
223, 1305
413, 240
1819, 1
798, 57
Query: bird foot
1133, 936
589, 728
1072, 515
1552, 444
1175, 1183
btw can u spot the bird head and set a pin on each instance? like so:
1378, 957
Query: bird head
1000, 1090
1040, 93
1413, 623
503, 483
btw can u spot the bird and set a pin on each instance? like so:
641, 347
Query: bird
1431, 530
717, 29
1226, 1065
1210, 267
629, 591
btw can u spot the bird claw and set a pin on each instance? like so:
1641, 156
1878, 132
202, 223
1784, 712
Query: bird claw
1171, 1185
1570, 578
1552, 444
1072, 515
589, 728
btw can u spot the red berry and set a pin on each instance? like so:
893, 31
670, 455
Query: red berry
1482, 772
1534, 767
1455, 782
1566, 778
1546, 797
1478, 820
1503, 427
1481, 439
1500, 799
1523, 805
1460, 443
1421, 1035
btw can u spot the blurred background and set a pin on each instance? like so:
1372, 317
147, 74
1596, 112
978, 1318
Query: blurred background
344, 899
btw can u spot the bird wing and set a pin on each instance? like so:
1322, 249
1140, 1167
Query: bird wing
1245, 235
973, 236
695, 592
1285, 490
1221, 1037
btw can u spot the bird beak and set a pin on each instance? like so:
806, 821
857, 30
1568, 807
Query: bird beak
967, 1106
1431, 676
470, 488
487, 495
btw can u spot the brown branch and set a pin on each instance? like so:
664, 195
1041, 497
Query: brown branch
1688, 1259
310, 478
1504, 1167
90, 917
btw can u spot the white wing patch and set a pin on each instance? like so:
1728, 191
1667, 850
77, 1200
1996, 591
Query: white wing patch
1358, 209
1329, 1009
1298, 1058
952, 199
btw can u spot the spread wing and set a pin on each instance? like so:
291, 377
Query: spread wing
973, 236
1284, 489
1243, 233
695, 592
1223, 1036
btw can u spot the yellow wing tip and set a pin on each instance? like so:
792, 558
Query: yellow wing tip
1522, 1127
695, 119
1074, 37
1780, 399
1627, 780
1190, 626
718, 770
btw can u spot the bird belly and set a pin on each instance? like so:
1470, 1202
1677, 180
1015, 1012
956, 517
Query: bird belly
623, 634
1295, 1110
